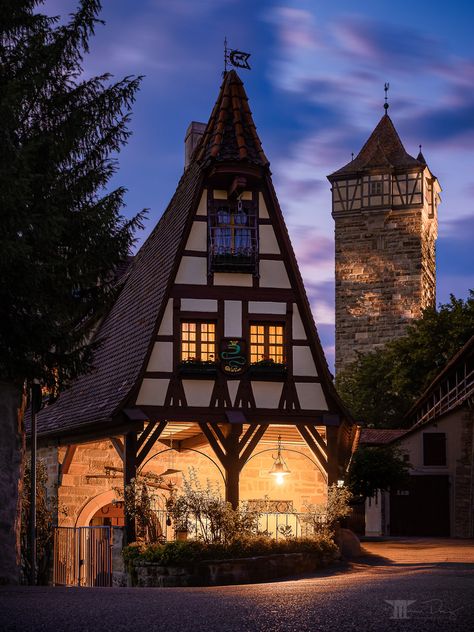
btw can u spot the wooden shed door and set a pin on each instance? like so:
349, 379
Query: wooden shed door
421, 509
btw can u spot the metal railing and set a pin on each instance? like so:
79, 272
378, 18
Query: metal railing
277, 525
439, 404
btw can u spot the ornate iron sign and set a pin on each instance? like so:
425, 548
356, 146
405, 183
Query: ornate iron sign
233, 356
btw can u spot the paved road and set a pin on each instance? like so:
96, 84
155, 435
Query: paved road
431, 583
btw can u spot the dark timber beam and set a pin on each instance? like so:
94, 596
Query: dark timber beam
232, 450
153, 437
130, 472
66, 464
315, 449
119, 447
332, 438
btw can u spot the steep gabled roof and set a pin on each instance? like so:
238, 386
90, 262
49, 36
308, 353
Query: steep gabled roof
127, 330
231, 134
383, 149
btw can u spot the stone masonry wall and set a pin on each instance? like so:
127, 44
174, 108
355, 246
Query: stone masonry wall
385, 276
87, 476
464, 480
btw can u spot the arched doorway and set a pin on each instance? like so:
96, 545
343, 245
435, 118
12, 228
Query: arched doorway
110, 515
94, 506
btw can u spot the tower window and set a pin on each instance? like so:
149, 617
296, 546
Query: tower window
376, 188
266, 343
232, 237
198, 341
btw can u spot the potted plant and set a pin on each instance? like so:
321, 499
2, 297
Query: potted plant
196, 366
267, 367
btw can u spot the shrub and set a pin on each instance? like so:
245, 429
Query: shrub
189, 552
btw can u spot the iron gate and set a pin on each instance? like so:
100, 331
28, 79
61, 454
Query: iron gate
82, 556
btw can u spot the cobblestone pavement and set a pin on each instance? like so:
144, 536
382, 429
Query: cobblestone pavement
411, 585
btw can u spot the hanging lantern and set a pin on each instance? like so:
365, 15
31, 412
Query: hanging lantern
171, 470
279, 468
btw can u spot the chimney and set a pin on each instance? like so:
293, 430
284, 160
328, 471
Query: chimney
193, 136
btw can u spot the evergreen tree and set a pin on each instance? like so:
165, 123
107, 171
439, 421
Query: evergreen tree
380, 387
61, 233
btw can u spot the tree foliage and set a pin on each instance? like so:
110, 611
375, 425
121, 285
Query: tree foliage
380, 387
61, 231
374, 468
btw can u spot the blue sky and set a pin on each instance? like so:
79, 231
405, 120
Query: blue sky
316, 93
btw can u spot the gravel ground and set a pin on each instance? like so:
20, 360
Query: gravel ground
432, 583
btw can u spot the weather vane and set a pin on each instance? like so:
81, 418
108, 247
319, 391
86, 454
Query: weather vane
236, 58
386, 87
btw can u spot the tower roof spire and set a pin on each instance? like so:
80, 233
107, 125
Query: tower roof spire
230, 134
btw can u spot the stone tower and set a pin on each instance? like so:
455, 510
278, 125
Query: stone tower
384, 203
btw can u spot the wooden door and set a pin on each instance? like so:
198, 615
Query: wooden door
422, 509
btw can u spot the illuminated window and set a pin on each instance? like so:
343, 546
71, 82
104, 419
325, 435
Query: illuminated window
232, 237
198, 341
266, 343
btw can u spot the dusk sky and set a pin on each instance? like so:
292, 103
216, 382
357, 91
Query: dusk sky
316, 93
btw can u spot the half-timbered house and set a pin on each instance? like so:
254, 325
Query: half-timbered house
210, 352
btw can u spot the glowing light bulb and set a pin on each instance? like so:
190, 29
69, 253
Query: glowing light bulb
279, 478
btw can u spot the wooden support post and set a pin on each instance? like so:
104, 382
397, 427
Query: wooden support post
334, 473
232, 465
130, 472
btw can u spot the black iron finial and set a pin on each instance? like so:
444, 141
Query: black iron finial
385, 105
352, 157
420, 148
236, 58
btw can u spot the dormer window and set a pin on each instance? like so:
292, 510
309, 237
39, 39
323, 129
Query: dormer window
232, 237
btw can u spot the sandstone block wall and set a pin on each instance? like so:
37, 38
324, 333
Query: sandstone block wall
385, 276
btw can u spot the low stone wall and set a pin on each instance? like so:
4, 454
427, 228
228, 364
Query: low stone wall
221, 572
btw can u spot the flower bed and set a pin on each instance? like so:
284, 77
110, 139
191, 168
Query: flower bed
247, 560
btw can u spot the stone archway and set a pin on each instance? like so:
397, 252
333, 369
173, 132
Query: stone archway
93, 505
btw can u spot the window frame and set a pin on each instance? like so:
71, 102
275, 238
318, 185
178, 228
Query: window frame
445, 453
234, 258
266, 324
198, 342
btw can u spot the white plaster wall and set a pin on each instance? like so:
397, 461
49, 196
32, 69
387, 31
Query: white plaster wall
192, 270
267, 394
303, 362
246, 195
166, 325
298, 329
219, 194
273, 274
202, 208
233, 386
152, 392
161, 358
451, 425
265, 307
268, 241
197, 239
234, 279
311, 396
198, 305
198, 392
262, 208
233, 319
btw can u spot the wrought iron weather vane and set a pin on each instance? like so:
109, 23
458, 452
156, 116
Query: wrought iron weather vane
236, 58
385, 105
